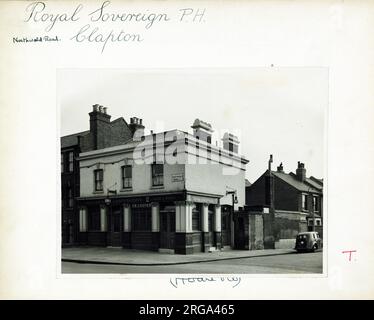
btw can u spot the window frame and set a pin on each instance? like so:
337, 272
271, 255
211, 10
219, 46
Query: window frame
125, 178
196, 211
156, 177
70, 198
71, 161
96, 171
141, 220
304, 204
315, 203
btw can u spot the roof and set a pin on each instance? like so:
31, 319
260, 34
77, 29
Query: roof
314, 184
72, 139
247, 183
292, 180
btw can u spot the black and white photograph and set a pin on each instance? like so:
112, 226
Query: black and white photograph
186, 150
193, 171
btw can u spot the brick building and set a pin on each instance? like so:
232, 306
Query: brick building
103, 133
171, 191
297, 203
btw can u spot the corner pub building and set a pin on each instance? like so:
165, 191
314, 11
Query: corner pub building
169, 192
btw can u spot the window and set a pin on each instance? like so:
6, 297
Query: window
310, 222
98, 179
318, 222
210, 221
94, 219
71, 163
126, 177
62, 162
142, 218
70, 198
157, 174
196, 222
315, 203
304, 202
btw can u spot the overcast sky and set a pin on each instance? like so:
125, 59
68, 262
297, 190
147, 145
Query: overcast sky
277, 111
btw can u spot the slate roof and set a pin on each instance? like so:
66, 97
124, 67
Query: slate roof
72, 139
308, 186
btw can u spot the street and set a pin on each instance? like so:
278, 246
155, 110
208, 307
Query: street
279, 264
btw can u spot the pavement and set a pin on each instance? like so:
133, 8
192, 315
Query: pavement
119, 256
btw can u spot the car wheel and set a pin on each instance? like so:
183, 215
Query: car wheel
315, 247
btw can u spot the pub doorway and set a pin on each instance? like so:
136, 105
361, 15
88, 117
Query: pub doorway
114, 227
167, 227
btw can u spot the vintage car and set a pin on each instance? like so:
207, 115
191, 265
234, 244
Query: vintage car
308, 241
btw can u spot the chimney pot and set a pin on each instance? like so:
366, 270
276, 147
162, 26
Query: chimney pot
100, 108
94, 107
280, 168
104, 109
301, 171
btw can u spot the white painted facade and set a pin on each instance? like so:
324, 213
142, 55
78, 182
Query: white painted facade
197, 174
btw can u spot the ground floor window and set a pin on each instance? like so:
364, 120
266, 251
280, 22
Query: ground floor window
142, 219
196, 221
210, 220
94, 219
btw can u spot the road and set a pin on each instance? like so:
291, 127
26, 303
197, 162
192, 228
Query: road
287, 263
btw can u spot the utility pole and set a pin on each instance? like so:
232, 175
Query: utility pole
271, 204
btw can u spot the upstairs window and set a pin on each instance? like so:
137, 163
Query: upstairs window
126, 177
304, 202
71, 163
157, 174
99, 177
70, 198
315, 204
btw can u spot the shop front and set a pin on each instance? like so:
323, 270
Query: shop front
166, 223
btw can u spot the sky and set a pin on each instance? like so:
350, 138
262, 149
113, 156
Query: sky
279, 111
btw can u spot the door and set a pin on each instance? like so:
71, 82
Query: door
115, 227
167, 229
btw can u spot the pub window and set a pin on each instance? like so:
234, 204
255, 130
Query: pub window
210, 221
142, 219
126, 177
71, 163
94, 220
157, 174
99, 174
196, 222
62, 162
304, 201
315, 203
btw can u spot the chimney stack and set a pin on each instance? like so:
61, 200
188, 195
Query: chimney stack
280, 168
99, 123
230, 142
202, 130
136, 126
301, 171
